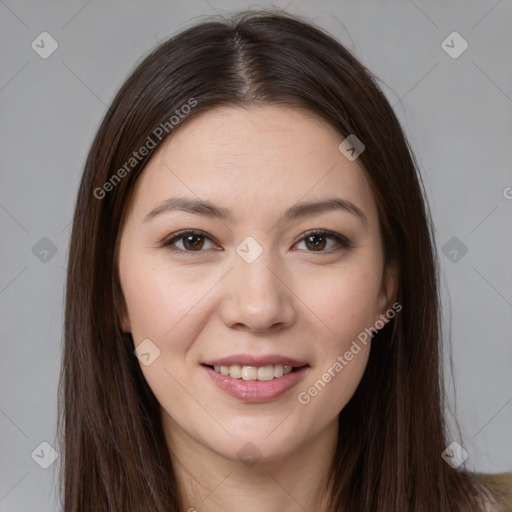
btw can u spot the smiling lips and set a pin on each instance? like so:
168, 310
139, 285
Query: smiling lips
262, 368
262, 373
255, 379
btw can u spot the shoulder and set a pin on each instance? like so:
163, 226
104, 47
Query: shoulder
502, 484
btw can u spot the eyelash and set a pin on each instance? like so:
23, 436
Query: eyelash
343, 242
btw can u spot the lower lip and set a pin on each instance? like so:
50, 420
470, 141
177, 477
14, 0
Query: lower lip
255, 391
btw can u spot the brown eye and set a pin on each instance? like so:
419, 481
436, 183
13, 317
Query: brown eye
191, 241
316, 241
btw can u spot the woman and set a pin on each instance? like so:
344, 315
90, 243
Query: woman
252, 309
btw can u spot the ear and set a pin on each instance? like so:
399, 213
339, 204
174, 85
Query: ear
125, 323
389, 287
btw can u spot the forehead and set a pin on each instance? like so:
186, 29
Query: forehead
252, 160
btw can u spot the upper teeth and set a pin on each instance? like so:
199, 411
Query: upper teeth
254, 372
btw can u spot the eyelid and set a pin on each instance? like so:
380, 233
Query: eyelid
168, 241
342, 240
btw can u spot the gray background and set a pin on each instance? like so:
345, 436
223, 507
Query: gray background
457, 115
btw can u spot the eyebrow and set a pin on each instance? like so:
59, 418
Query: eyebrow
207, 209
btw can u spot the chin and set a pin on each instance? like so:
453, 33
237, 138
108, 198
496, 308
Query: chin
257, 449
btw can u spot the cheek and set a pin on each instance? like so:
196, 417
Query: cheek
347, 306
345, 302
160, 299
164, 306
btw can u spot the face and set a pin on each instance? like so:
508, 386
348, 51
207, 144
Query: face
251, 310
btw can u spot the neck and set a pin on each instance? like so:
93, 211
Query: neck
209, 482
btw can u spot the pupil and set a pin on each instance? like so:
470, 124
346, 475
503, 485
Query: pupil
192, 237
317, 245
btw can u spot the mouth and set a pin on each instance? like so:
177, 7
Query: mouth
256, 379
260, 373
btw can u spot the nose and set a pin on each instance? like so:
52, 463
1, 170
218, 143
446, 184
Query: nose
257, 296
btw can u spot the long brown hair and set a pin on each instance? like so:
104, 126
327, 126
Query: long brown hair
392, 432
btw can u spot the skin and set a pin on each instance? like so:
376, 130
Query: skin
292, 300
